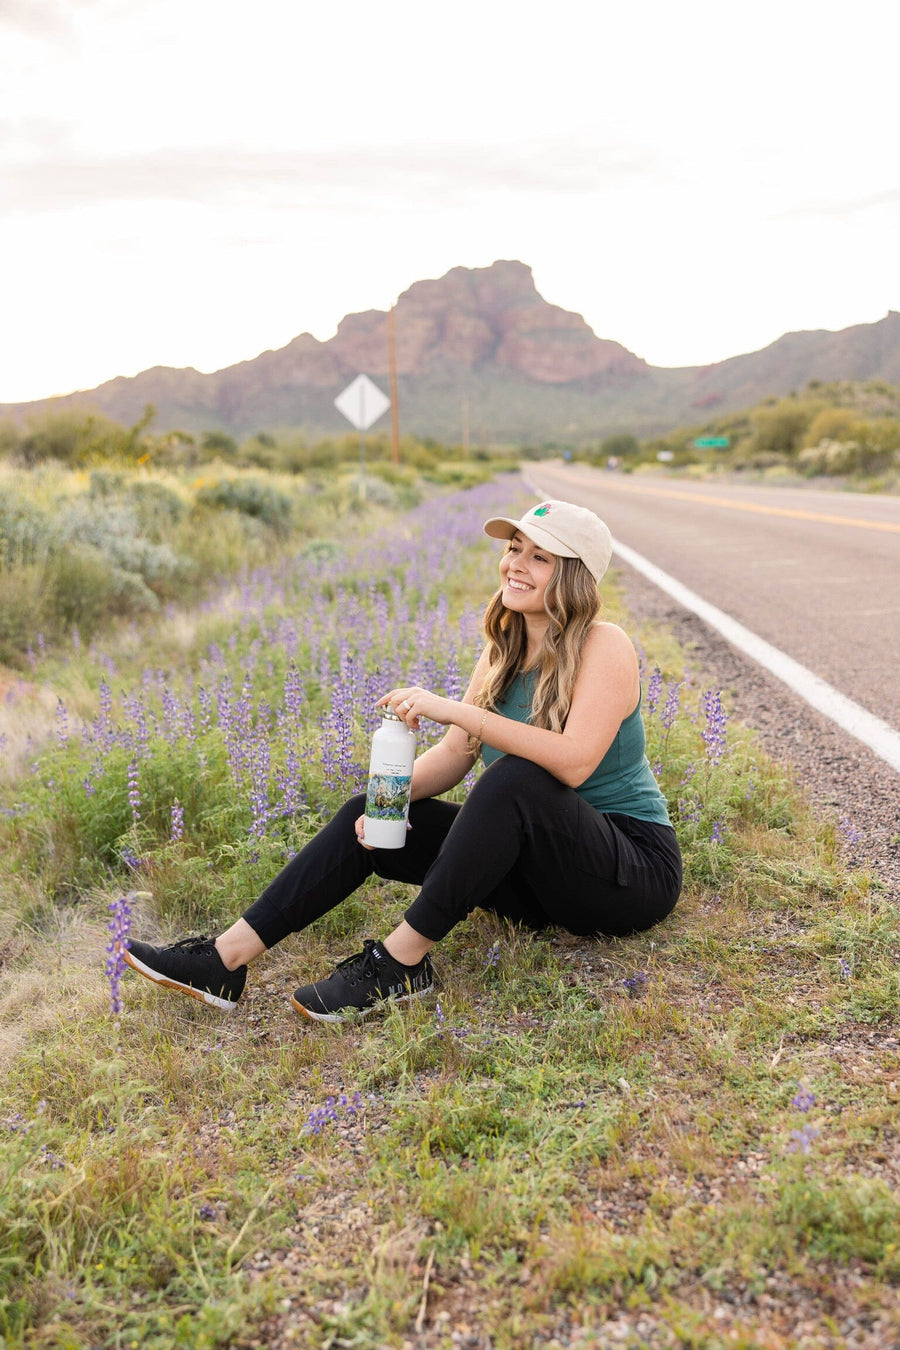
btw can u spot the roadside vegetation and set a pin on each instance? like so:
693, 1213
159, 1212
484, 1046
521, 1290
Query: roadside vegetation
843, 431
682, 1139
101, 522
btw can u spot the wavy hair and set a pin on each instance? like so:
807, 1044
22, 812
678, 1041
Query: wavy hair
573, 604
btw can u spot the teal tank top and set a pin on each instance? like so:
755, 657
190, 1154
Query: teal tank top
622, 782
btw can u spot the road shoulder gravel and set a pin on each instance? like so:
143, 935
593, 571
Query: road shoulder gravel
841, 777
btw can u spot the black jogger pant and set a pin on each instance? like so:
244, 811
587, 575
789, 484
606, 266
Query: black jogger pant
523, 845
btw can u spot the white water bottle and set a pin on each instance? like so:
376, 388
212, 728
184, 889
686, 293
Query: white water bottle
390, 780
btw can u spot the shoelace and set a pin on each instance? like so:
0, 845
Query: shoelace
190, 944
361, 966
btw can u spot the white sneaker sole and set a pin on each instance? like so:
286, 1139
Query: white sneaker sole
350, 1014
225, 1004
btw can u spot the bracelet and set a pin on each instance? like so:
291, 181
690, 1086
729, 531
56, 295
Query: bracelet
483, 720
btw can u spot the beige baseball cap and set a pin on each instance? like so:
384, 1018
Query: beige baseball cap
561, 528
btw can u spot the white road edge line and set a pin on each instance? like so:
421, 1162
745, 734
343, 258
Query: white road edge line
865, 726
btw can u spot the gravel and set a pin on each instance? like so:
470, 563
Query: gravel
841, 777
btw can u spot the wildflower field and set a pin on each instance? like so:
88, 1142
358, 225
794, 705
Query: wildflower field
683, 1139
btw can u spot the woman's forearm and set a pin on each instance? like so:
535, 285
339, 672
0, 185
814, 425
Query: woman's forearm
438, 770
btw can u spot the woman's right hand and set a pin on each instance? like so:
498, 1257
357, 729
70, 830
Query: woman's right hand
360, 828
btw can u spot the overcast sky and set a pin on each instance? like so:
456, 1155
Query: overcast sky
191, 182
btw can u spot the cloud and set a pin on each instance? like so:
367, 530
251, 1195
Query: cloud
417, 172
845, 209
46, 19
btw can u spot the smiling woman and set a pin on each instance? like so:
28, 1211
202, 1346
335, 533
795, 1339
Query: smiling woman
566, 825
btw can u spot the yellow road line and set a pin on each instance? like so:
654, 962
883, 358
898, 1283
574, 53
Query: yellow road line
792, 512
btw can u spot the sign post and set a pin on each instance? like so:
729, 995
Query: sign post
362, 403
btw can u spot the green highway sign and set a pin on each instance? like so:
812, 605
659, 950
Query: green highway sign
712, 443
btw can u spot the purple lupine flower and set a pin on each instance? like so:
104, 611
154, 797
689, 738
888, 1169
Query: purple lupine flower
635, 983
62, 723
654, 689
259, 761
177, 821
103, 725
492, 956
716, 722
205, 700
670, 711
118, 929
846, 971
802, 1140
171, 713
134, 791
718, 833
849, 831
331, 1112
803, 1100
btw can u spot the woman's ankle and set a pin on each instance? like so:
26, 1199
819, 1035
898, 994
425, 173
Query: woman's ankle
239, 945
407, 946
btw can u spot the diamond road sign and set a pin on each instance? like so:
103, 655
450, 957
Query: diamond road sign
362, 403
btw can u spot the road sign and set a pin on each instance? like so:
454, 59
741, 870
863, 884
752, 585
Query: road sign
362, 402
712, 443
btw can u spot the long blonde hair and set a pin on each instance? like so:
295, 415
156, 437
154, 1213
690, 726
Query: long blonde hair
573, 604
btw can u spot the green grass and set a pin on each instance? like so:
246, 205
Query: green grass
587, 1135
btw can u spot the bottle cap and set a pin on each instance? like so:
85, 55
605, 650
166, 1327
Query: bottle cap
389, 714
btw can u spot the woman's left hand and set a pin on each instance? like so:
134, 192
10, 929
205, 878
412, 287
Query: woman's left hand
412, 702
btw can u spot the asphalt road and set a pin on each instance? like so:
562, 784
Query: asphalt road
816, 573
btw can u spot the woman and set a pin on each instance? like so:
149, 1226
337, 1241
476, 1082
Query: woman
565, 826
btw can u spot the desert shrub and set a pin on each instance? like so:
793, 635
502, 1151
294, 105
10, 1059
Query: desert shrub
156, 507
620, 445
73, 438
114, 531
781, 428
9, 438
21, 597
831, 424
218, 443
250, 497
25, 532
459, 473
83, 588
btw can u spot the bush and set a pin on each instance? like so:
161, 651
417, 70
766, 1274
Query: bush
77, 437
250, 497
780, 429
113, 530
25, 535
831, 424
83, 589
21, 596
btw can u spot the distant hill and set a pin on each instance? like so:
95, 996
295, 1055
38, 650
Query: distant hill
479, 347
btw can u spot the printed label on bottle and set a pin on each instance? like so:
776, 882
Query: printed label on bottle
387, 796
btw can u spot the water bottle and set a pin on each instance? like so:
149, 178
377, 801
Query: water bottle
390, 779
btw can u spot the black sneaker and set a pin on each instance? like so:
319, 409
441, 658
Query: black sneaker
193, 966
361, 983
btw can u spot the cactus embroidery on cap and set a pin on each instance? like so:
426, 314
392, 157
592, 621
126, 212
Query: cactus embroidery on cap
542, 510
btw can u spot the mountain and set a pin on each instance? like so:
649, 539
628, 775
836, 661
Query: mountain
481, 346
